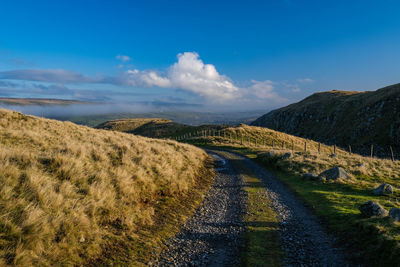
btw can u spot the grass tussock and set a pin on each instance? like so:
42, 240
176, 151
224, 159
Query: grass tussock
68, 193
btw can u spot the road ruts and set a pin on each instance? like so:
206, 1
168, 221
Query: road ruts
212, 237
304, 240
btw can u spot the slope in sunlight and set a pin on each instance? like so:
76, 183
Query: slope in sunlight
69, 194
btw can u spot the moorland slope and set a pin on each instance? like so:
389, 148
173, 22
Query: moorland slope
342, 117
76, 196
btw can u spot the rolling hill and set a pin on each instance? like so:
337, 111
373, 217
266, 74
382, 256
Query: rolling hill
342, 117
38, 101
76, 196
153, 127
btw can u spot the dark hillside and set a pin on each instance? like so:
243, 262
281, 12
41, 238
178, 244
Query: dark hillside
342, 117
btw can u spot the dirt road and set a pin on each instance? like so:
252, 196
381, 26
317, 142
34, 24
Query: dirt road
213, 236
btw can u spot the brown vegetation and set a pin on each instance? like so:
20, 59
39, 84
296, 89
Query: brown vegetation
69, 193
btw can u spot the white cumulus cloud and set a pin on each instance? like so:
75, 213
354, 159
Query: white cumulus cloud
189, 74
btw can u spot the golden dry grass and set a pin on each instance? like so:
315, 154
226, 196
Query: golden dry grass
67, 190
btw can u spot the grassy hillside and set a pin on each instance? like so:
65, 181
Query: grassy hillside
345, 118
183, 117
374, 240
73, 195
153, 127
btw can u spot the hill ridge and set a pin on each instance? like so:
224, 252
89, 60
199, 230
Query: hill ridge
342, 117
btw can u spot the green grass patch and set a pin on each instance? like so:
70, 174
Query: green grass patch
374, 240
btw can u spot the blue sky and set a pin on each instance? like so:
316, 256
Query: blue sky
214, 54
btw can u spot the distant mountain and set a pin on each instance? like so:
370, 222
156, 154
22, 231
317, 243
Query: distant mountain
342, 117
38, 101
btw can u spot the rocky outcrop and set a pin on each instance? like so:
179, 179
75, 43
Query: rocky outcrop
383, 189
334, 174
372, 209
394, 213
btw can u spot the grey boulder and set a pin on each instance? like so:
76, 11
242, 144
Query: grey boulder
372, 209
334, 173
394, 213
383, 189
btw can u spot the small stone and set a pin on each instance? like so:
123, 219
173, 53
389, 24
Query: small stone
334, 173
394, 213
383, 189
82, 239
372, 209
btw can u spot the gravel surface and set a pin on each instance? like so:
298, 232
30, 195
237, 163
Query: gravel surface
305, 241
212, 237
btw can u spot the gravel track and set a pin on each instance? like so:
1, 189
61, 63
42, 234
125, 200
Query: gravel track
305, 242
212, 237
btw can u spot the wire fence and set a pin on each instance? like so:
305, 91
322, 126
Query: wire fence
228, 137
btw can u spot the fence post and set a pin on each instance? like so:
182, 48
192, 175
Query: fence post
334, 149
273, 144
305, 146
350, 149
319, 148
372, 151
391, 151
